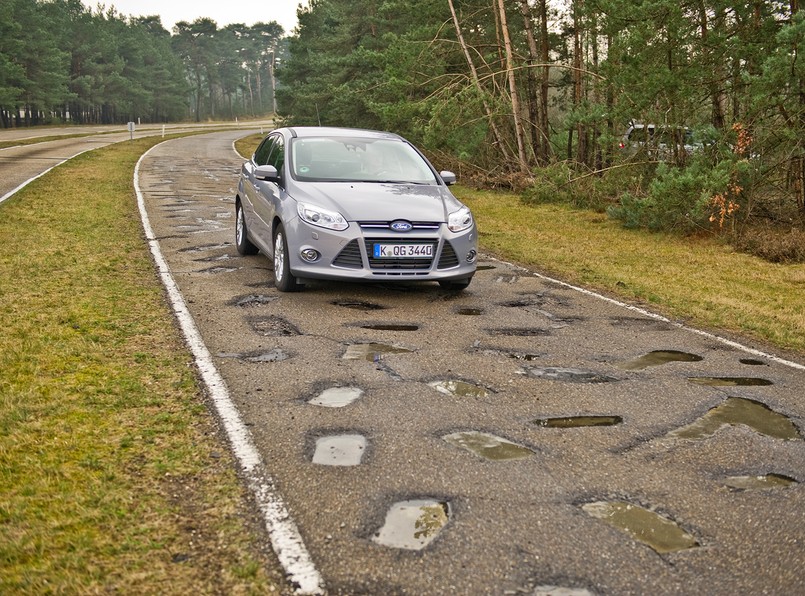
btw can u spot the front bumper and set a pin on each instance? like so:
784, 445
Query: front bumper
347, 255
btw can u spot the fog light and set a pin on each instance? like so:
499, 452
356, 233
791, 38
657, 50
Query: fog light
471, 256
309, 255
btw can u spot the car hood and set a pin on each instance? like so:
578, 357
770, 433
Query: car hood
372, 201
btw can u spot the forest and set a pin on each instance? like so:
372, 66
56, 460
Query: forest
61, 62
532, 95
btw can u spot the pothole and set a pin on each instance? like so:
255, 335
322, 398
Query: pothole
659, 357
485, 267
730, 381
340, 450
488, 446
547, 590
752, 362
216, 270
513, 354
273, 326
357, 305
372, 351
658, 532
253, 300
740, 411
570, 375
468, 311
520, 332
388, 326
337, 397
275, 355
642, 323
214, 259
459, 388
413, 524
759, 482
578, 421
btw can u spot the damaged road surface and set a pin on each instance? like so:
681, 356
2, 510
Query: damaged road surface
518, 437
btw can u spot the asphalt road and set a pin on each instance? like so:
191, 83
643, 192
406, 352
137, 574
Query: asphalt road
21, 163
517, 349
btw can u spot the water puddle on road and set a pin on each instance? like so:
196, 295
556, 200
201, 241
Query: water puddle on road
738, 410
337, 397
570, 375
413, 524
578, 421
730, 381
372, 351
657, 358
459, 388
340, 450
759, 482
488, 446
658, 532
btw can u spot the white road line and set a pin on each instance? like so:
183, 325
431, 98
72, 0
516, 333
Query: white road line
647, 313
285, 537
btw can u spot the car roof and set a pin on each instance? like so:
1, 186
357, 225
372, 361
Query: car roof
333, 131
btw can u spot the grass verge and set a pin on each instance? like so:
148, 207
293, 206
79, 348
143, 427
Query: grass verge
113, 477
699, 280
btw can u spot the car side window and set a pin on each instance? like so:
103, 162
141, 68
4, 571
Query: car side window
277, 156
263, 151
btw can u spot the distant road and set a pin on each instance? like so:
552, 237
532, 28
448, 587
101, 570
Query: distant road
22, 164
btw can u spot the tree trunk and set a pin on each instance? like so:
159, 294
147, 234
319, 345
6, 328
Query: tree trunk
476, 81
515, 97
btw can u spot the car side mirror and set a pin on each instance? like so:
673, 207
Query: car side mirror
448, 177
266, 172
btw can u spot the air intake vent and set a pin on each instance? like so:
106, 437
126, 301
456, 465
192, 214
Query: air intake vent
349, 257
449, 258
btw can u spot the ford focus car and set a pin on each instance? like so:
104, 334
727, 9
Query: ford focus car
352, 205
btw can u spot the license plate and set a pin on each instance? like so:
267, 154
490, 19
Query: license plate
402, 251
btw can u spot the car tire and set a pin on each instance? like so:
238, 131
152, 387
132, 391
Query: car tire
242, 242
455, 285
284, 280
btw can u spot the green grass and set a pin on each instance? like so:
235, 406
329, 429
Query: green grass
112, 474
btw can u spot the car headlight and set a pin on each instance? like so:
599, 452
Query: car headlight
323, 218
460, 220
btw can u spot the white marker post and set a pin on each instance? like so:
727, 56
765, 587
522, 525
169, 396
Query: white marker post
131, 131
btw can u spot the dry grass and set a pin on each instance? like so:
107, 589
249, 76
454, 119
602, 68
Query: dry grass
702, 281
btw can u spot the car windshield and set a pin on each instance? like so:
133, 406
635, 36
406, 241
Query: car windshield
341, 159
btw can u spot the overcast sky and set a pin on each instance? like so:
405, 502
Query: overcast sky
223, 12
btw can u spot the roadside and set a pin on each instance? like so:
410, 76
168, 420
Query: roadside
114, 474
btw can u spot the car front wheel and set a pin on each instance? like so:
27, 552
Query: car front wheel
284, 280
242, 242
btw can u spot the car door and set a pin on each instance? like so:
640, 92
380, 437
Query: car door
263, 194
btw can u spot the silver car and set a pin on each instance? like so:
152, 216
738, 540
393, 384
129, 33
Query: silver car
353, 205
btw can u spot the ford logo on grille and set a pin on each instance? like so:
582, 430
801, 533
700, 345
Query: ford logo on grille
401, 226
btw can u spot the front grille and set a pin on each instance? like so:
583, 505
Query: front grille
384, 225
349, 257
402, 263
